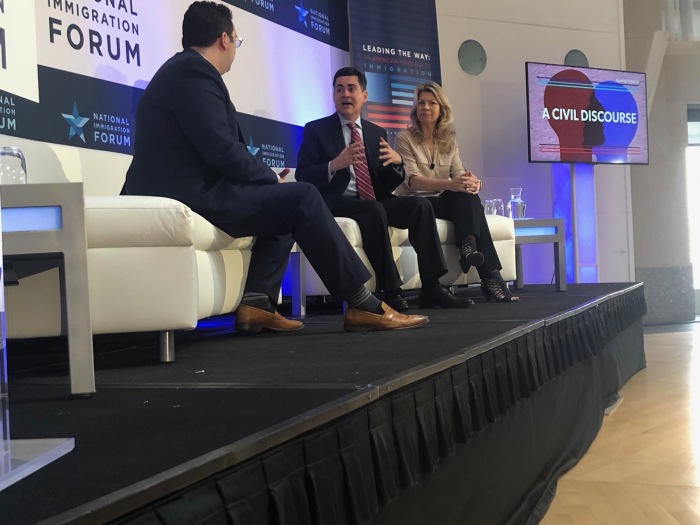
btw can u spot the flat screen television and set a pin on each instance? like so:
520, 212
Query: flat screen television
580, 114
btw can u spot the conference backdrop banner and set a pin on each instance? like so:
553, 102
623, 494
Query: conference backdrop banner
72, 72
323, 20
395, 42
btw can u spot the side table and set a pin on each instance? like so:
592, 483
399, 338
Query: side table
43, 226
21, 457
538, 231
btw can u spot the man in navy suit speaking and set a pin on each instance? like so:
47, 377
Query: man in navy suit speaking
189, 147
356, 171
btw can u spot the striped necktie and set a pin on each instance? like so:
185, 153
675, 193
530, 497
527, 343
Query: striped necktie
364, 181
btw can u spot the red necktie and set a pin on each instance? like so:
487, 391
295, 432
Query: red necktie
364, 181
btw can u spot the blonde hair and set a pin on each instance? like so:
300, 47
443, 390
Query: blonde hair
444, 133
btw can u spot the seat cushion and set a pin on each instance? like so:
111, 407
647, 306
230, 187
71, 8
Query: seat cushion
208, 237
127, 221
501, 228
351, 230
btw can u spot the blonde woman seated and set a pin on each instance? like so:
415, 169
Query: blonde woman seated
435, 171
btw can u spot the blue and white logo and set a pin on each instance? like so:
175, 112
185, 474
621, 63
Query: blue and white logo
251, 147
76, 123
303, 13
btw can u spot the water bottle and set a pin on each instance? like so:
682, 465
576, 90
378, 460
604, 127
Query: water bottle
13, 166
516, 206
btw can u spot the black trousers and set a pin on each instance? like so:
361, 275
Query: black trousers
296, 212
467, 214
374, 218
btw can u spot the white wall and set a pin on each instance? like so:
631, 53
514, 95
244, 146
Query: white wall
659, 192
660, 188
599, 16
490, 111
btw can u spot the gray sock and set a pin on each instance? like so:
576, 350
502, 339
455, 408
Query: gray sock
362, 299
257, 300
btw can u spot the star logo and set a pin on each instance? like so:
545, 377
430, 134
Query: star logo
303, 13
251, 147
76, 123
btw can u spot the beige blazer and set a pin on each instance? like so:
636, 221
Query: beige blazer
417, 161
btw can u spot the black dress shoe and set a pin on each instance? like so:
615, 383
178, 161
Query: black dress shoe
395, 300
440, 296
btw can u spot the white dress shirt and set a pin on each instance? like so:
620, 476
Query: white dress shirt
351, 190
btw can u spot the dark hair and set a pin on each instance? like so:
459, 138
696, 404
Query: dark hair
351, 72
204, 22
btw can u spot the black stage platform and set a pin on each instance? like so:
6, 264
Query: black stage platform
470, 419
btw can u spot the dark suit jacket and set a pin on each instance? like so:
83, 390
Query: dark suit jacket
323, 141
189, 147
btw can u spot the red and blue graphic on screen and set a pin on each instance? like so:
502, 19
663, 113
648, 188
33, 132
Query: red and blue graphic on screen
586, 115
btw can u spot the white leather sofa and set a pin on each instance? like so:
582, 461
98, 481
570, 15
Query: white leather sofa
502, 232
153, 265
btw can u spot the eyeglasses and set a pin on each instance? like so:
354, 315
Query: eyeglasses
237, 40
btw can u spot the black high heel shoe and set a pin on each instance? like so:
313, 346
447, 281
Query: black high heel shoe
469, 255
495, 289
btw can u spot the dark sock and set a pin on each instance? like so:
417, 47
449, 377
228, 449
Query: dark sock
257, 300
392, 293
466, 240
363, 300
431, 285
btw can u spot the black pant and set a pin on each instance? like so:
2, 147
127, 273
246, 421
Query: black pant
374, 218
466, 213
296, 212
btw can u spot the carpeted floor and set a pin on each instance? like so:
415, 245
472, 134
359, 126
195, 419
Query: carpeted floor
148, 417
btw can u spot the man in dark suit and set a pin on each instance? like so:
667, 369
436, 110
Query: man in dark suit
189, 147
349, 160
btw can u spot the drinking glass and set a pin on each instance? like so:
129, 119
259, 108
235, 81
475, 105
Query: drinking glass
516, 206
489, 207
13, 166
498, 207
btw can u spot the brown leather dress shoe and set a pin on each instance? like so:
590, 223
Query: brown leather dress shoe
254, 320
361, 321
